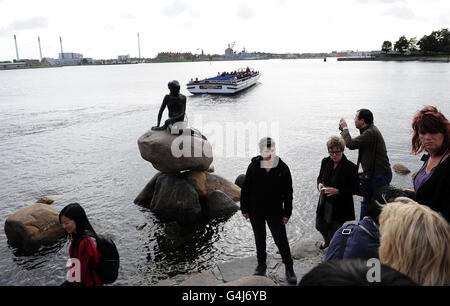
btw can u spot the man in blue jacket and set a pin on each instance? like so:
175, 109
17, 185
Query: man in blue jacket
266, 196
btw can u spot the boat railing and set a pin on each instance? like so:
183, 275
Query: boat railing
232, 79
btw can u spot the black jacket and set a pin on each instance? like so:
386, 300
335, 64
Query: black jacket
267, 193
435, 192
345, 178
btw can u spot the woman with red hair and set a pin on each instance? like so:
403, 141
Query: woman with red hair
431, 132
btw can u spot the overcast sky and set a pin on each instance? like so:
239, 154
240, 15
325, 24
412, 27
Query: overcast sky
107, 28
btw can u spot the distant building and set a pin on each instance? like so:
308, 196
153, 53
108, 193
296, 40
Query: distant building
175, 56
51, 61
12, 65
123, 58
70, 58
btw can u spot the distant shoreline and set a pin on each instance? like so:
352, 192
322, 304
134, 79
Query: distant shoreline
439, 59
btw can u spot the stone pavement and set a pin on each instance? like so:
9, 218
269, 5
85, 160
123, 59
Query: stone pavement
239, 272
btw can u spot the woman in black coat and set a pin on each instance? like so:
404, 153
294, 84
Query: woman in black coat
337, 183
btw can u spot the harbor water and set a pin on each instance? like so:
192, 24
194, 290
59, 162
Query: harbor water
72, 132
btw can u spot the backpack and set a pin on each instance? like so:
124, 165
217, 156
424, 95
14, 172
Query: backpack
108, 266
346, 233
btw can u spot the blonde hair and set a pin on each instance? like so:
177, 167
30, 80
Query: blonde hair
415, 240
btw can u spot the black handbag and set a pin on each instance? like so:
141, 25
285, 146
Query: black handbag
365, 183
325, 209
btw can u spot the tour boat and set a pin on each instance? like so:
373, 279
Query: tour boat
225, 83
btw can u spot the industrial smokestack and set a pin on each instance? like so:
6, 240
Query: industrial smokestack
40, 51
62, 53
17, 50
139, 46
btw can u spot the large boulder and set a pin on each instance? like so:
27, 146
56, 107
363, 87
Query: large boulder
206, 183
218, 204
173, 153
215, 182
145, 197
174, 199
33, 226
198, 180
401, 169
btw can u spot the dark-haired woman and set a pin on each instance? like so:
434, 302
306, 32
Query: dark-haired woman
83, 247
431, 132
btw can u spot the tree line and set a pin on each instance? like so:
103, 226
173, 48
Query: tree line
435, 43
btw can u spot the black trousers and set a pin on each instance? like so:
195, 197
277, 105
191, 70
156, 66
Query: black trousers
278, 230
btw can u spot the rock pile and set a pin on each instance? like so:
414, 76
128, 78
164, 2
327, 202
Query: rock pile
184, 191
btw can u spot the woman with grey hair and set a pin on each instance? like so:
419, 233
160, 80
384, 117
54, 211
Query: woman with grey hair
337, 183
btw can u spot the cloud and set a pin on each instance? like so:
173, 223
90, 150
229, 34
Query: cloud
128, 16
25, 24
109, 27
245, 12
380, 1
175, 8
444, 19
29, 24
401, 12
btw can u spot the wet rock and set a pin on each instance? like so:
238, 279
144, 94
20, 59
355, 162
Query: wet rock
237, 269
206, 278
206, 183
197, 179
33, 226
173, 153
145, 197
215, 182
305, 249
218, 204
400, 169
48, 199
174, 199
240, 180
254, 280
140, 227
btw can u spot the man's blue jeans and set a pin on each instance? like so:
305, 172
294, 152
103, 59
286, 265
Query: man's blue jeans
379, 180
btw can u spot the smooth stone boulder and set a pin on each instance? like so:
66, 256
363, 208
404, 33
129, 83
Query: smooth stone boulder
206, 278
305, 249
174, 199
173, 153
206, 183
218, 204
48, 199
215, 182
33, 226
240, 180
254, 280
198, 180
145, 197
400, 169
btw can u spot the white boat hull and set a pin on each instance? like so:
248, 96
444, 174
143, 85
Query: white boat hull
221, 88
